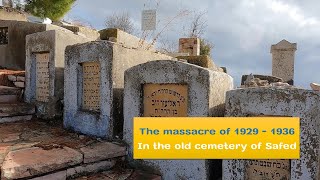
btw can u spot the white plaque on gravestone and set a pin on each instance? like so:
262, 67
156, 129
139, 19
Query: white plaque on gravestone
149, 20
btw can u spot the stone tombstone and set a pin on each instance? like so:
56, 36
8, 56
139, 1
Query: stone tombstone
174, 88
189, 45
278, 101
165, 100
45, 70
283, 60
94, 81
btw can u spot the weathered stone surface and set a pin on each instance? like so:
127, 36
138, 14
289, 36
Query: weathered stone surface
19, 84
17, 109
5, 90
283, 60
315, 86
270, 79
9, 98
102, 151
12, 78
90, 168
36, 161
11, 137
62, 175
21, 78
15, 118
125, 39
189, 45
206, 97
114, 59
291, 102
203, 61
137, 175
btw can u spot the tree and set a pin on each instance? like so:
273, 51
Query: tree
53, 9
196, 29
120, 21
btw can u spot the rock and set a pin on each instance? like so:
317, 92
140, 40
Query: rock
315, 86
19, 84
90, 168
26, 163
21, 78
102, 151
280, 84
62, 175
11, 137
12, 78
143, 175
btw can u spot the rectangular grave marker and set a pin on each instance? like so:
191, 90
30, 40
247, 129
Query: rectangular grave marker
268, 169
42, 77
91, 86
165, 100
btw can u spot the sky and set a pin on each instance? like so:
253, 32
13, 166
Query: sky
241, 31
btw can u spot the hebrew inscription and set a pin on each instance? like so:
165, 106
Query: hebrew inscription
165, 100
42, 77
4, 35
268, 169
91, 86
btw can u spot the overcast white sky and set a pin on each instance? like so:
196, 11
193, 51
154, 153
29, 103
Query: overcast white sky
242, 31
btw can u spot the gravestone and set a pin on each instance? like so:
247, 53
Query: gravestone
45, 69
189, 45
94, 81
283, 60
173, 89
275, 101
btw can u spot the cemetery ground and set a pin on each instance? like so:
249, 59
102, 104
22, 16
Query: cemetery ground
45, 150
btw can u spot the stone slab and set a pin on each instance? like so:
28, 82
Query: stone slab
90, 168
137, 175
9, 98
21, 78
15, 118
35, 161
62, 175
17, 109
19, 84
12, 78
102, 151
315, 86
5, 90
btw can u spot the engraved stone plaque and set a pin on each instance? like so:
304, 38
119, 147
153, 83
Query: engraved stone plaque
42, 77
165, 100
268, 170
91, 86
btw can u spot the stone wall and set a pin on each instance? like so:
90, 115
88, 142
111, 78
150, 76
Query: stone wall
12, 14
13, 54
